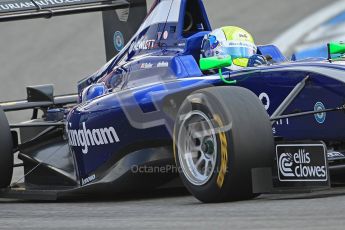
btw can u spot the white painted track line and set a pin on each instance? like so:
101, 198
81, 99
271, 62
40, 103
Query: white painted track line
290, 37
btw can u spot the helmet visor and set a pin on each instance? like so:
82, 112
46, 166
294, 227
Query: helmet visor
238, 49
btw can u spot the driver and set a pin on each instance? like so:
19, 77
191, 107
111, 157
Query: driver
233, 41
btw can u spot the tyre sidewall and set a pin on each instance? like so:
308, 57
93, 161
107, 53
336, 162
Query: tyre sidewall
233, 183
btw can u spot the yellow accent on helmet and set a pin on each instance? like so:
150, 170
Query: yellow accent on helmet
237, 34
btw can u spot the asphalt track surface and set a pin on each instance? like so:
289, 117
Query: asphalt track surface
63, 50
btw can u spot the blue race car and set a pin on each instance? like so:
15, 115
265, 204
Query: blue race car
158, 113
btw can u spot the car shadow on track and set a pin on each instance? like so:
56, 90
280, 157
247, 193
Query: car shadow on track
116, 197
333, 192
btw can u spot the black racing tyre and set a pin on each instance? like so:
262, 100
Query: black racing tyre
6, 151
220, 135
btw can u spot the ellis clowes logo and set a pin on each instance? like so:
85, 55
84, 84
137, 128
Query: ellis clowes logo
285, 164
300, 164
86, 137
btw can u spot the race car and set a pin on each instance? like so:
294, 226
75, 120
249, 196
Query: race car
157, 113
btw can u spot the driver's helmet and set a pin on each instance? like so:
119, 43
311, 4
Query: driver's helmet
229, 40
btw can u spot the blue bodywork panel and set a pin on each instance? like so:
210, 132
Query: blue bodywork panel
159, 67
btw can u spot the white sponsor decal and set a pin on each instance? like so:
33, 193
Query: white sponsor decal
165, 35
282, 122
285, 163
144, 44
146, 66
298, 165
162, 64
122, 14
159, 35
335, 155
265, 100
42, 3
95, 137
85, 181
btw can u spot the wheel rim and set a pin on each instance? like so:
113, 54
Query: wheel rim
197, 147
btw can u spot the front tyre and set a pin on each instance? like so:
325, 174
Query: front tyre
220, 134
